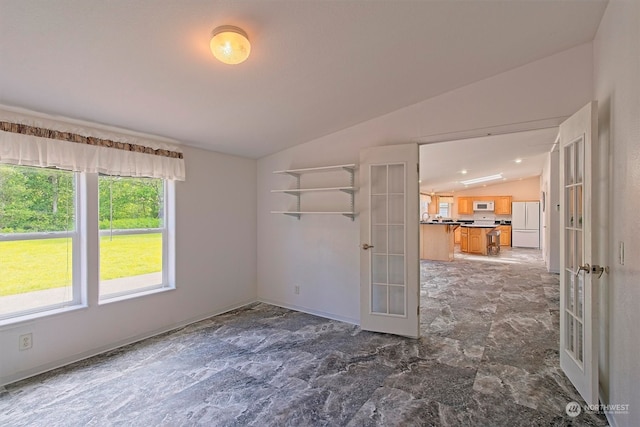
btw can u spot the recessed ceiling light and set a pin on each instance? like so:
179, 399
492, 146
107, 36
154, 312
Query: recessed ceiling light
482, 179
463, 171
518, 160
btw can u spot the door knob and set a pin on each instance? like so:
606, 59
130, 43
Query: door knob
366, 246
586, 268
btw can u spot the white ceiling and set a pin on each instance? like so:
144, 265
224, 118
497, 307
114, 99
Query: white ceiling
441, 164
316, 66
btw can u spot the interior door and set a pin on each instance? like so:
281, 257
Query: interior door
578, 289
389, 261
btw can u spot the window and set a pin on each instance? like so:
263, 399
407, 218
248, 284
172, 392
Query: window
39, 251
41, 254
56, 224
445, 210
133, 235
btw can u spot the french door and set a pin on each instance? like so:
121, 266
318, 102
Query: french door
578, 275
389, 261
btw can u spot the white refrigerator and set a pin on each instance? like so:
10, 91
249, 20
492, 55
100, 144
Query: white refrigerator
525, 224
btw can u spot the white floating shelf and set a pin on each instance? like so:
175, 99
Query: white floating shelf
350, 167
349, 190
298, 191
351, 215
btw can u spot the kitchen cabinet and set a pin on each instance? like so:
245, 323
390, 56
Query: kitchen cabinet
456, 235
502, 205
476, 240
465, 205
434, 206
436, 241
505, 235
464, 239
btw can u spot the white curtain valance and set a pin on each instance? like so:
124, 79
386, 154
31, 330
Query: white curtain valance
446, 199
41, 141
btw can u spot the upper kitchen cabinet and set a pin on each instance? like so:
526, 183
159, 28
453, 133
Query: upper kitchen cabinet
434, 206
502, 205
465, 206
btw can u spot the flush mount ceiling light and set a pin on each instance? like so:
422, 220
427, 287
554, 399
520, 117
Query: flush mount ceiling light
482, 179
518, 160
230, 44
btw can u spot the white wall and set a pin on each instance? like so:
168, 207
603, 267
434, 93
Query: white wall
525, 190
321, 254
617, 89
215, 271
549, 183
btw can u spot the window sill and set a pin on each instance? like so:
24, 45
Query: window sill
17, 320
128, 296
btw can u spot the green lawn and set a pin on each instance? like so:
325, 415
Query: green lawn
32, 265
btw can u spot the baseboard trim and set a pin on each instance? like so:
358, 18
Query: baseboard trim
22, 375
311, 311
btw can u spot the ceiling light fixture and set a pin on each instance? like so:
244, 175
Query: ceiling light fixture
482, 179
518, 160
463, 171
230, 44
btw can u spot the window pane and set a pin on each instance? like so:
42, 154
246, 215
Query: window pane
444, 209
36, 199
36, 269
130, 255
131, 203
130, 263
35, 274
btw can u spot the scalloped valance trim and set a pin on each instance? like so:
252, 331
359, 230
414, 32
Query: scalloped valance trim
88, 140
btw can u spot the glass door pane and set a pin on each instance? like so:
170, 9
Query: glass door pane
388, 263
574, 278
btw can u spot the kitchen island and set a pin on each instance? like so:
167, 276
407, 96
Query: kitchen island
473, 238
437, 241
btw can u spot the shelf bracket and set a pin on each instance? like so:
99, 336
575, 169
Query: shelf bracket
350, 215
298, 195
352, 195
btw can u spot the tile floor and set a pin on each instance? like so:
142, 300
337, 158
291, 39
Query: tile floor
488, 357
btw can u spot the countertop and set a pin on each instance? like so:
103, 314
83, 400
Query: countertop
439, 223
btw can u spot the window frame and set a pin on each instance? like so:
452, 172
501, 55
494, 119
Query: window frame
166, 284
77, 283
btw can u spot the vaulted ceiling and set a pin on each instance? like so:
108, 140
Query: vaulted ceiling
316, 66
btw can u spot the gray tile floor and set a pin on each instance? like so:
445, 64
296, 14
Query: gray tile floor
488, 357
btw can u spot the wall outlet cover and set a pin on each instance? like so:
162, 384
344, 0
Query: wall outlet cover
25, 341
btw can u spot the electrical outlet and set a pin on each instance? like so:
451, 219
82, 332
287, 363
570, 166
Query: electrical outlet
25, 341
296, 289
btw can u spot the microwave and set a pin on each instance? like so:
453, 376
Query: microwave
483, 206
